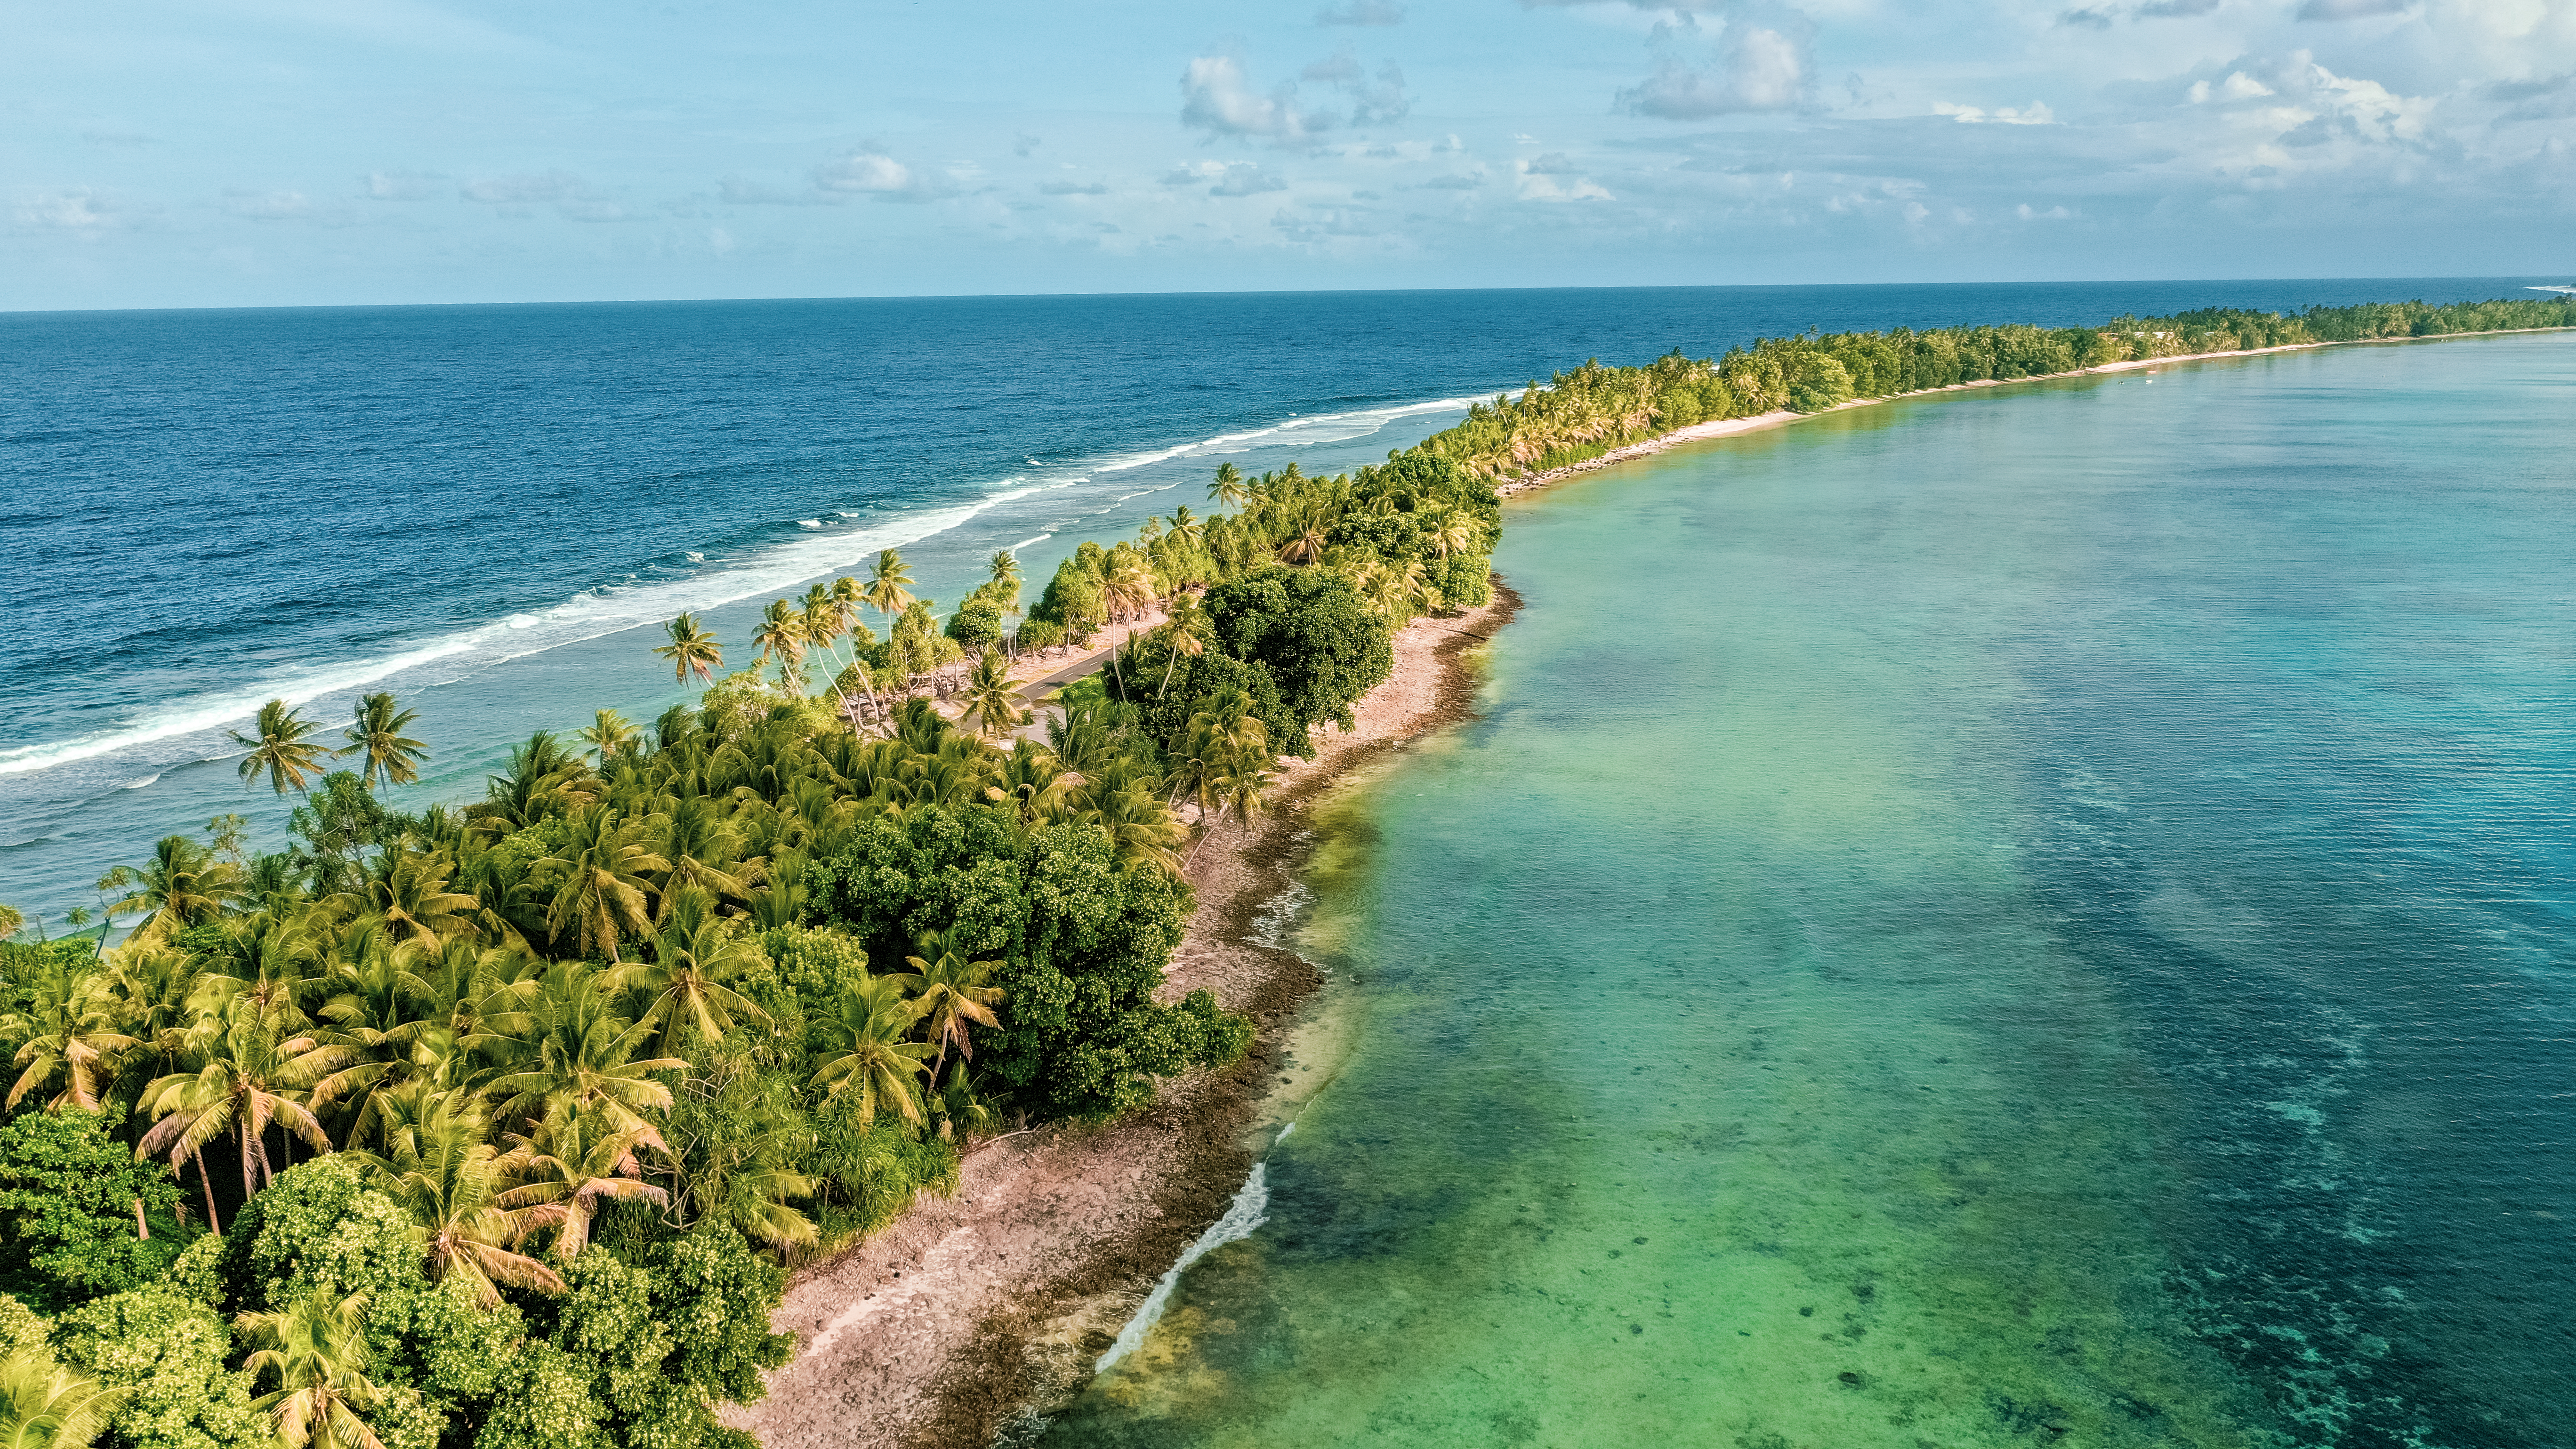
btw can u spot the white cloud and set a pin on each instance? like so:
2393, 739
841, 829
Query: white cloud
401, 185
1757, 67
1553, 178
573, 198
1217, 98
1072, 188
80, 209
2349, 9
268, 205
2034, 114
866, 170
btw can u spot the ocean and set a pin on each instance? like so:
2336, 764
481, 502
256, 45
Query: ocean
2042, 915
489, 510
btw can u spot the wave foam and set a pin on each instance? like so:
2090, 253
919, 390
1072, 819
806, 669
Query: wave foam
1249, 1210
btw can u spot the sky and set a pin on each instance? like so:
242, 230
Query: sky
299, 152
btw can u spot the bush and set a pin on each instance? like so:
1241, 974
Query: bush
1819, 383
1040, 634
976, 626
1322, 644
168, 1353
68, 1195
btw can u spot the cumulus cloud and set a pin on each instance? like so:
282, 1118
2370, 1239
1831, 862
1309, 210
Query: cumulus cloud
401, 185
2034, 114
1373, 102
1758, 66
268, 205
572, 197
1553, 177
1216, 97
867, 170
1073, 188
1363, 12
80, 209
1461, 182
2101, 17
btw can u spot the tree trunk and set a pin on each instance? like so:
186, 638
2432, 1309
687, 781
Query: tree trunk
142, 1229
206, 1185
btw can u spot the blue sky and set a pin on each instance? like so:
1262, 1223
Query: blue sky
255, 152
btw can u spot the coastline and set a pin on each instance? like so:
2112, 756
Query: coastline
1728, 427
972, 1310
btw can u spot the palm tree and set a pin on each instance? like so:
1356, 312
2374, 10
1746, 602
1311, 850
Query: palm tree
69, 1030
1452, 532
869, 1053
406, 891
246, 1083
694, 954
44, 1405
701, 853
1228, 488
691, 650
184, 885
598, 881
390, 758
317, 1347
575, 1163
279, 749
1186, 527
951, 992
1122, 798
781, 636
1032, 781
889, 583
611, 735
578, 1050
993, 699
443, 1176
1308, 545
1188, 632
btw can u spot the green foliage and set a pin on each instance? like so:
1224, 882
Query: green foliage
977, 625
716, 1295
169, 1353
1323, 646
19, 1326
544, 1402
68, 1195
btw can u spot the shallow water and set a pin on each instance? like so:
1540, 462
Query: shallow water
2041, 916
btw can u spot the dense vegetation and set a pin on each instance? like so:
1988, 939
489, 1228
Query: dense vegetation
580, 1067
1593, 409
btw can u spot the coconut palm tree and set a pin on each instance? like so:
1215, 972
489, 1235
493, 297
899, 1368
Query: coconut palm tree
1187, 527
701, 853
390, 758
1124, 799
183, 885
1452, 532
1228, 489
444, 1177
249, 1080
1188, 632
44, 1405
1033, 781
279, 749
889, 585
1307, 546
574, 1164
692, 650
406, 891
993, 698
69, 1031
577, 1049
611, 735
869, 1052
781, 636
695, 953
597, 876
317, 1348
951, 992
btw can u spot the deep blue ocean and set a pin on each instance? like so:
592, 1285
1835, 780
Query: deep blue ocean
487, 510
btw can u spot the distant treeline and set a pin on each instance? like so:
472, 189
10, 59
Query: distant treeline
1584, 413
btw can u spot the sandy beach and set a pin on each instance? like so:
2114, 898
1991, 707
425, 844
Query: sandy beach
1728, 427
973, 1310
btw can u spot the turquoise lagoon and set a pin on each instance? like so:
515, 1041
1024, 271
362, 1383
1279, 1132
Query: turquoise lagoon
2035, 916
